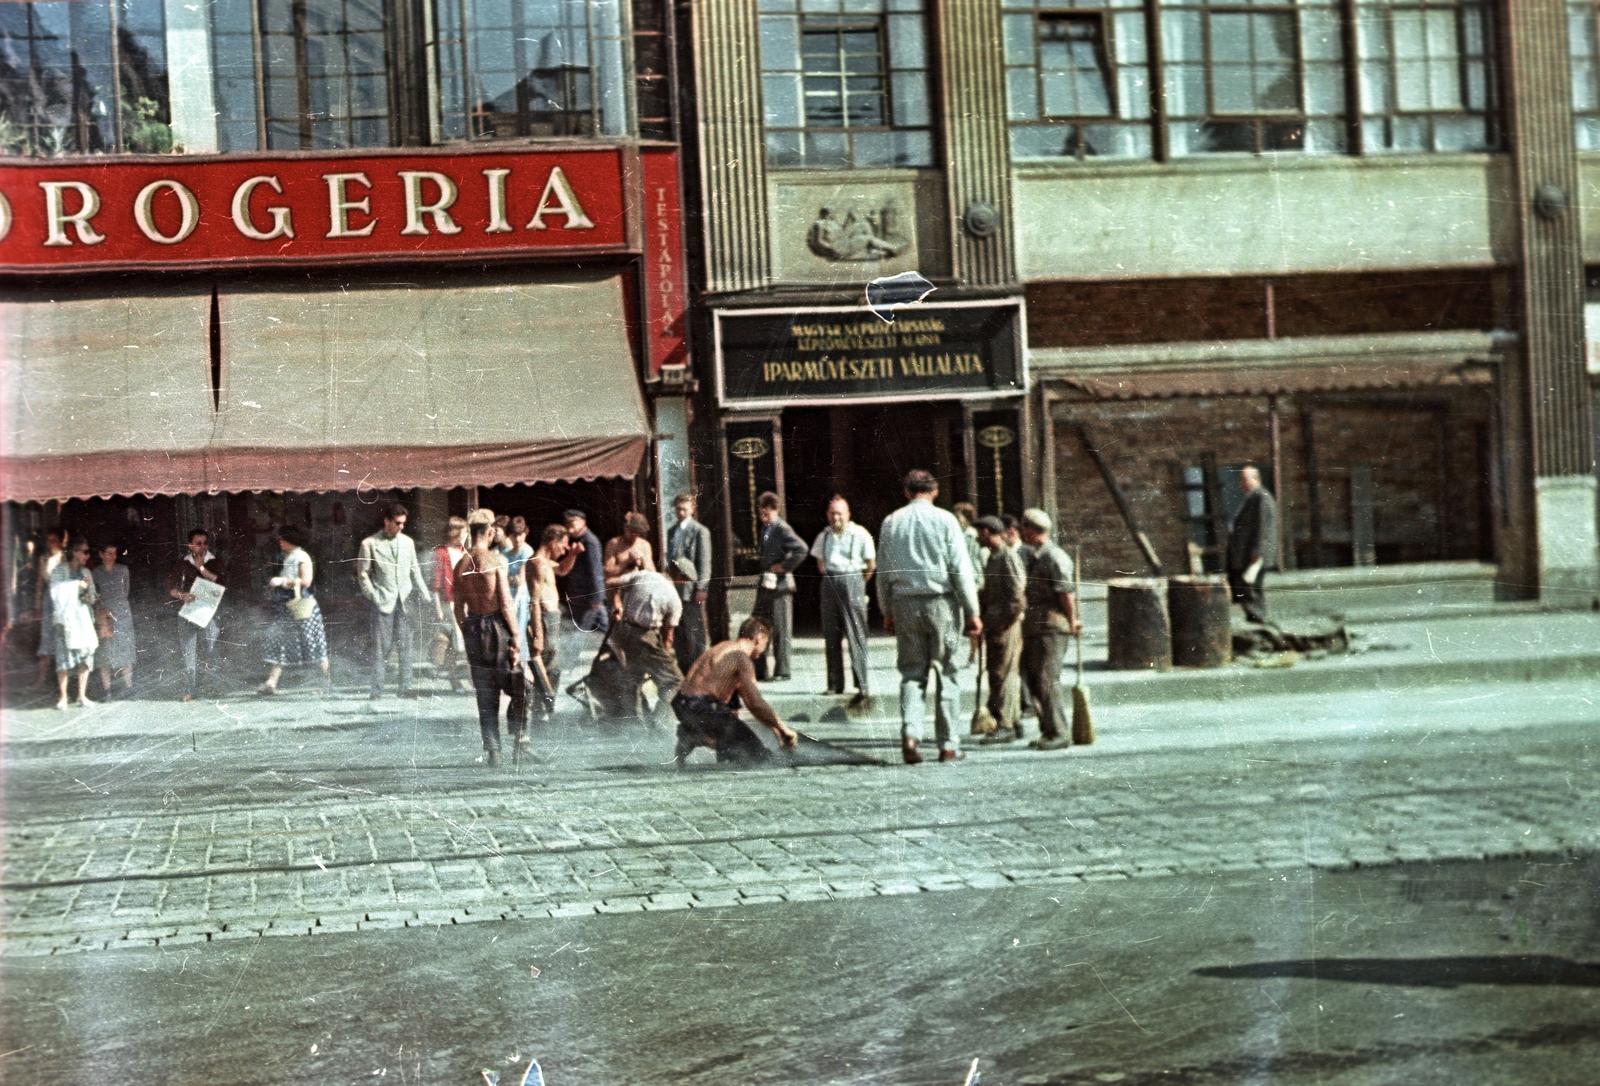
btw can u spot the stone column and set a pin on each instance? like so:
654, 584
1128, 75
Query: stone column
1550, 392
733, 165
977, 144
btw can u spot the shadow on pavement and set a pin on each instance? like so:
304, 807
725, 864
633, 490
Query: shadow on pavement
1538, 969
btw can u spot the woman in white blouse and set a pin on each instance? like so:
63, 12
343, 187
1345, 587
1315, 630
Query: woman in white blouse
296, 640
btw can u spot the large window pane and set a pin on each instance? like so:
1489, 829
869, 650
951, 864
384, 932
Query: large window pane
70, 85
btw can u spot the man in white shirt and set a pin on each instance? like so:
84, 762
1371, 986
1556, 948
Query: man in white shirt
650, 611
846, 558
926, 590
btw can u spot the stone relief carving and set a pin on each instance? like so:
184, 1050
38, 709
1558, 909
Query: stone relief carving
859, 235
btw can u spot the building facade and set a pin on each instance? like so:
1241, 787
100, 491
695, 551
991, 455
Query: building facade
1343, 240
273, 263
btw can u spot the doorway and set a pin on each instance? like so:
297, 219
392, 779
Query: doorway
863, 453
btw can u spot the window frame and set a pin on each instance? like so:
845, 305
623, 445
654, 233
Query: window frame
1350, 138
842, 22
1494, 126
31, 133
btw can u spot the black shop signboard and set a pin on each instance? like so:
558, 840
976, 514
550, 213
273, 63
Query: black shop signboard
772, 357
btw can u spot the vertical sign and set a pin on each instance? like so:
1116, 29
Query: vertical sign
997, 445
752, 469
663, 259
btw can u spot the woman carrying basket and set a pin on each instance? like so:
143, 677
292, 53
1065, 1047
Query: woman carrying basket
299, 637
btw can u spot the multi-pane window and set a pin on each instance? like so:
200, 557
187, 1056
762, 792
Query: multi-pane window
152, 76
1169, 78
1078, 79
325, 67
846, 84
1246, 76
519, 68
1426, 75
1583, 40
83, 76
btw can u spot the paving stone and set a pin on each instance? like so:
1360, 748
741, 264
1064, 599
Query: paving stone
581, 909
183, 940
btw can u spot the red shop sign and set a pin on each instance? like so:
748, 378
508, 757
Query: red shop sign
182, 211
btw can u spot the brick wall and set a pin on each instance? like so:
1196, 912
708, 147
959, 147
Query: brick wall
1406, 440
1171, 310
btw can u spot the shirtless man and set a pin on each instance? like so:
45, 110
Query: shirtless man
553, 559
485, 611
707, 703
628, 553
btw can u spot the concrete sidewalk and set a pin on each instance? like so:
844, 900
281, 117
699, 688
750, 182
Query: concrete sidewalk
1510, 644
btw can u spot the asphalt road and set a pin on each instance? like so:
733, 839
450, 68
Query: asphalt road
1450, 973
1298, 903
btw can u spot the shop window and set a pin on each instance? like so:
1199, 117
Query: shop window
531, 68
1078, 82
1426, 76
1583, 44
1251, 78
846, 90
83, 77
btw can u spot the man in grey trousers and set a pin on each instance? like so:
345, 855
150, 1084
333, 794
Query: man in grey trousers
689, 541
389, 575
926, 590
846, 558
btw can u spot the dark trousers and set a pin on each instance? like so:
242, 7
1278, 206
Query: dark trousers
1002, 660
844, 615
703, 721
778, 609
644, 656
489, 645
690, 640
545, 703
1251, 596
199, 647
391, 632
1042, 652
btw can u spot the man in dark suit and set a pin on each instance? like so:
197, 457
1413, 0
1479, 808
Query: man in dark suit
782, 551
1252, 545
690, 541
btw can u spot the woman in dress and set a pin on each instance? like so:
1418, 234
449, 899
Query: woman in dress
72, 599
55, 542
117, 651
295, 642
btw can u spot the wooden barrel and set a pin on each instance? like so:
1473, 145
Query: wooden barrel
1137, 634
1202, 632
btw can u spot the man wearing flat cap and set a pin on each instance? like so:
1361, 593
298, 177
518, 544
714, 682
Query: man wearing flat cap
1001, 603
1052, 618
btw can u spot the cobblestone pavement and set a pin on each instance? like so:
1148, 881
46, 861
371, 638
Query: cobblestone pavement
302, 856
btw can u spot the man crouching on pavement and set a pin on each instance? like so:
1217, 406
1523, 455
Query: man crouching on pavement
707, 704
485, 612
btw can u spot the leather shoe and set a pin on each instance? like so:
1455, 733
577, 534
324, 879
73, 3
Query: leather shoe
1055, 742
491, 757
909, 751
952, 755
999, 735
859, 703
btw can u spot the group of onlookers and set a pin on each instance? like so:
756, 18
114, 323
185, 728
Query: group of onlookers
85, 622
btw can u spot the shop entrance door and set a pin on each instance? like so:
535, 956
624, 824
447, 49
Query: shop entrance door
863, 453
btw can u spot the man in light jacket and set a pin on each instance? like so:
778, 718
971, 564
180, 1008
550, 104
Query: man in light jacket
390, 575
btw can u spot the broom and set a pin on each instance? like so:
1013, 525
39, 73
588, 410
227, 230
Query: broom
983, 722
1082, 722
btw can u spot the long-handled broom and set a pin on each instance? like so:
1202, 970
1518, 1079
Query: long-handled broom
983, 721
1082, 721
